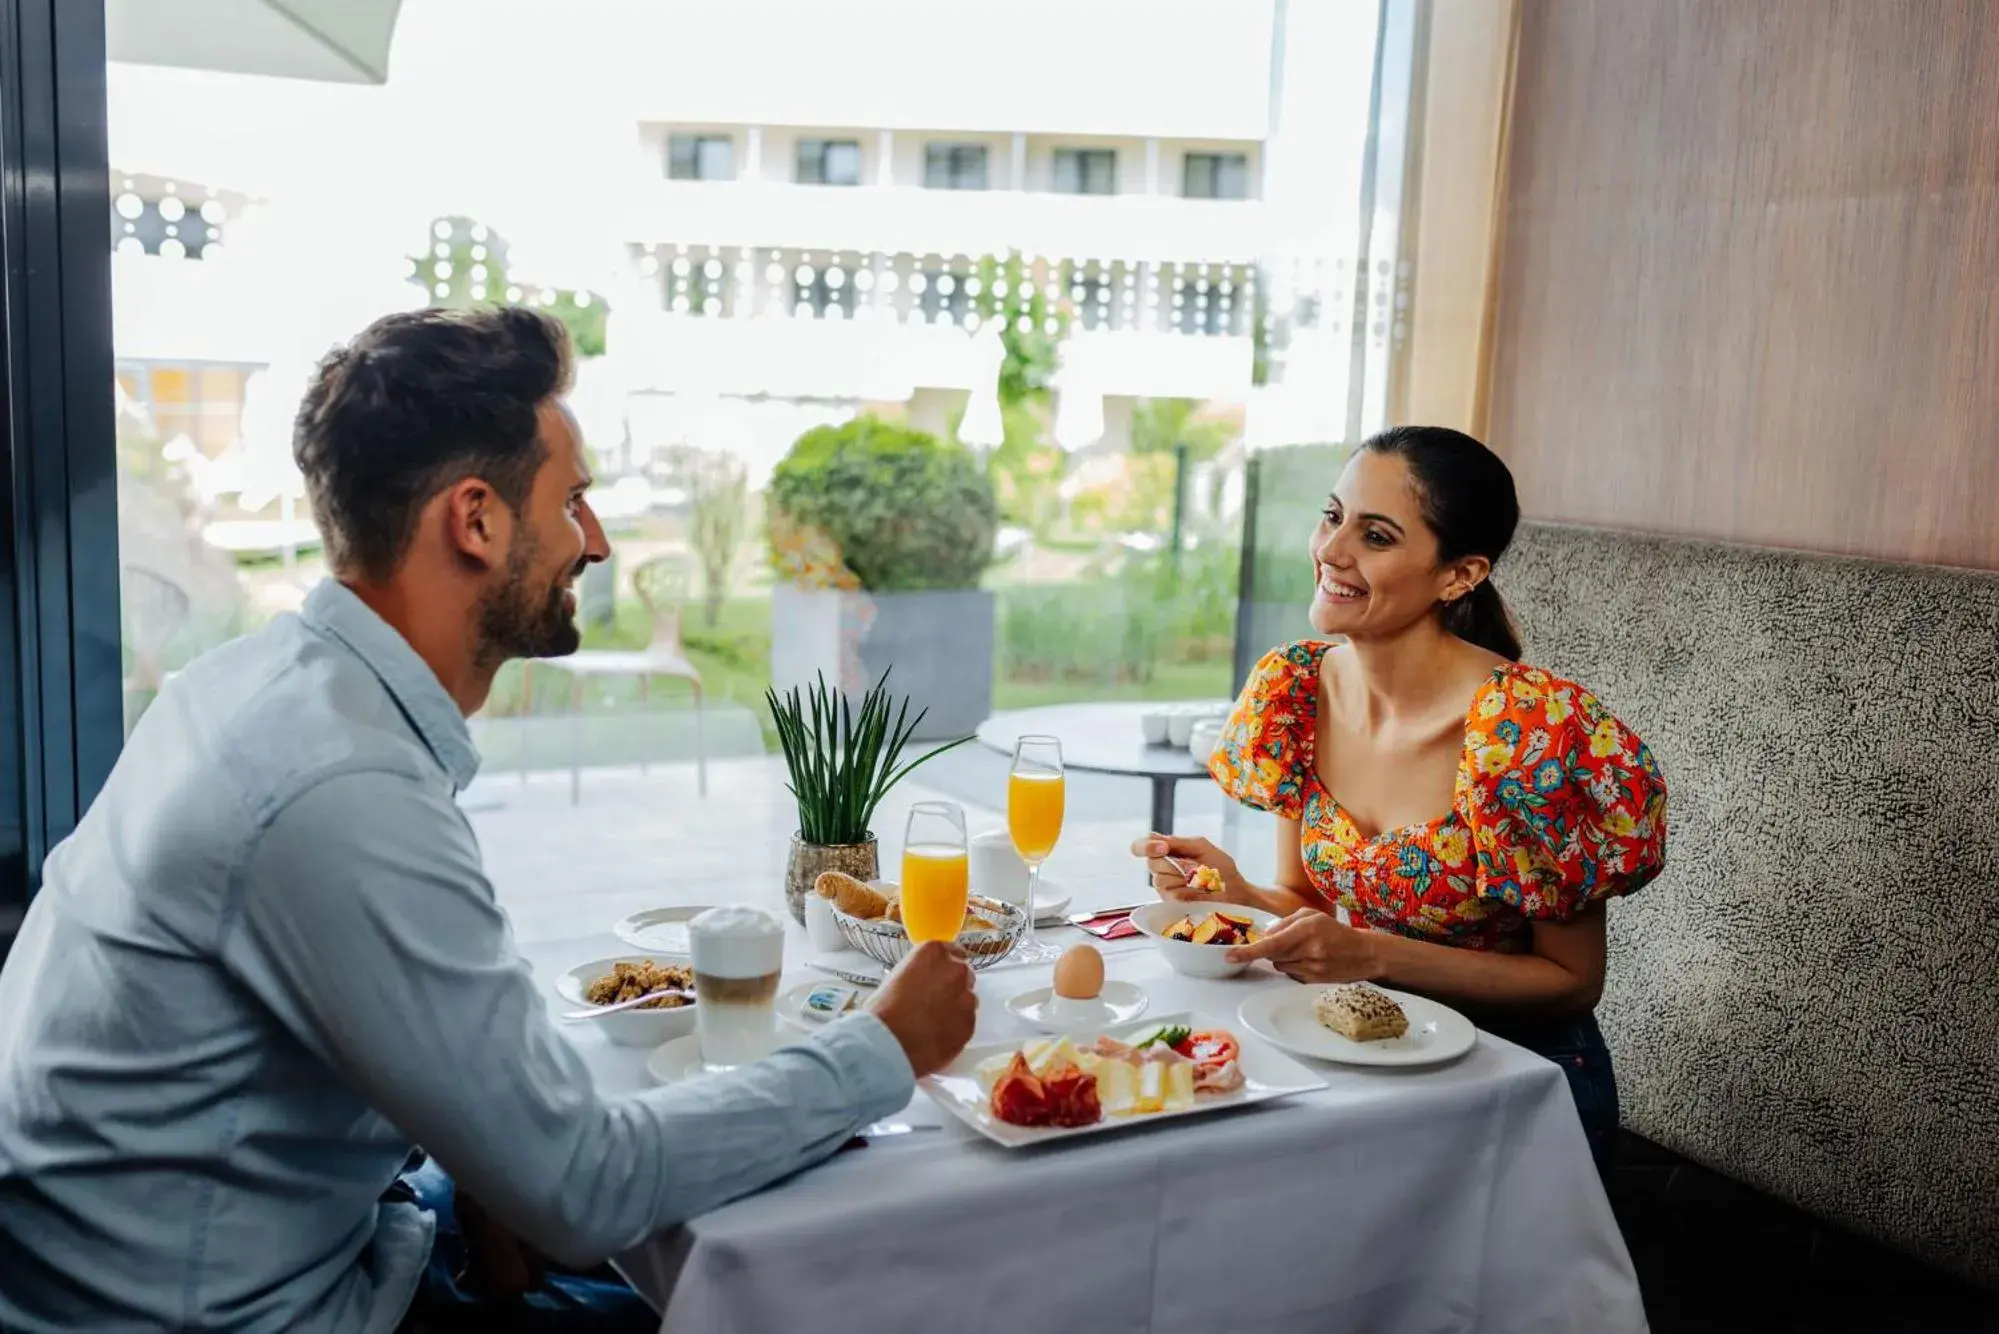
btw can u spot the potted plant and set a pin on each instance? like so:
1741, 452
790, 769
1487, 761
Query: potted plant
842, 762
879, 535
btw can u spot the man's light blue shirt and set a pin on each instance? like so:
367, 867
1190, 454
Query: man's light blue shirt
266, 964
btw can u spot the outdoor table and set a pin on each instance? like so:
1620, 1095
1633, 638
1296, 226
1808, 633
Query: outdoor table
1456, 1197
1103, 738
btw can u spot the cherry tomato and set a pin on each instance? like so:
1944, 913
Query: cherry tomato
1209, 1048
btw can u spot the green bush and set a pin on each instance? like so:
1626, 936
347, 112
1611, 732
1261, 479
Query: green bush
907, 510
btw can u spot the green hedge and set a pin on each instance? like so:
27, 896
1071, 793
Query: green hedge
907, 510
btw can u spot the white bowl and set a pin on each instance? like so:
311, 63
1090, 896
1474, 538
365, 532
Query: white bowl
629, 1028
1184, 957
1157, 726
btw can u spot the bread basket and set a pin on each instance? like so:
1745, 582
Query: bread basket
887, 943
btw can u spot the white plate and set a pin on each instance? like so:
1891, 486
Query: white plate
1119, 1003
658, 930
1050, 902
677, 1060
1267, 1074
791, 1004
1283, 1016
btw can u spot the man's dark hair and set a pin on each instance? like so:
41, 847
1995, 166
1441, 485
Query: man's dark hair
418, 402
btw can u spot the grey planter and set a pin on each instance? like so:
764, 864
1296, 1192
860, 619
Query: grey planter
940, 645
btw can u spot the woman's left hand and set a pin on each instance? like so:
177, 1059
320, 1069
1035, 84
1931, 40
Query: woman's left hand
1311, 946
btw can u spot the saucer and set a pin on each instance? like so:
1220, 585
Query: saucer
1050, 902
1119, 1003
677, 1060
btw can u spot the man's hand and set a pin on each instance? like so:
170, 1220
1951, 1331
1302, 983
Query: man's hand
498, 1264
929, 1004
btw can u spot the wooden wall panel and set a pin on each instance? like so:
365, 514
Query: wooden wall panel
1748, 275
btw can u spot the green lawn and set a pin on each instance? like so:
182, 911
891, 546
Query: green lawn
734, 659
1173, 680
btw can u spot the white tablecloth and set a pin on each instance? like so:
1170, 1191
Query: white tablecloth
1458, 1198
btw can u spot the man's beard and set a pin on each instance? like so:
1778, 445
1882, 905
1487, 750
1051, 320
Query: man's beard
517, 620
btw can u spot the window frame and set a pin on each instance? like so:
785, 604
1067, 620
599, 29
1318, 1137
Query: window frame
1216, 163
823, 147
949, 152
1083, 159
695, 141
62, 700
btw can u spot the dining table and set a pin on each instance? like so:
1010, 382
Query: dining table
1460, 1196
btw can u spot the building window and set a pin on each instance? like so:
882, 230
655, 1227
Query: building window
954, 166
700, 157
1085, 171
828, 162
1215, 176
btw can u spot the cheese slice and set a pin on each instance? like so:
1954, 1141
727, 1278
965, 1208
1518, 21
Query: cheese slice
1179, 1092
1042, 1057
1117, 1087
1151, 1087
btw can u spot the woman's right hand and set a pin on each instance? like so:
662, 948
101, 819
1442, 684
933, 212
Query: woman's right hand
1171, 880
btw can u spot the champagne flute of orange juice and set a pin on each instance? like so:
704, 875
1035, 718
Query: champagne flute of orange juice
1035, 794
935, 874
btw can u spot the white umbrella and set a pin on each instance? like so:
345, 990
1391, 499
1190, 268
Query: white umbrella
270, 401
983, 427
1079, 413
335, 41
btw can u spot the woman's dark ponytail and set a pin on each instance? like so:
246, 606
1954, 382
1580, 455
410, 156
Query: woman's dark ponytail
1469, 503
1480, 617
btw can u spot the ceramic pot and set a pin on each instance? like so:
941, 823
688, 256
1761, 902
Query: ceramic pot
859, 860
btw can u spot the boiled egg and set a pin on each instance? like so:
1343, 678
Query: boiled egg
1079, 973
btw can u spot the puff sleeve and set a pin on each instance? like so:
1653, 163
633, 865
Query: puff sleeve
1264, 756
1567, 806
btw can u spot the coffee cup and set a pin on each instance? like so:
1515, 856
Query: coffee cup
737, 957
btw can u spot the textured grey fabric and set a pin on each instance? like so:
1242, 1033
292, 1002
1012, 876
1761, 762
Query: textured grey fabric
1808, 998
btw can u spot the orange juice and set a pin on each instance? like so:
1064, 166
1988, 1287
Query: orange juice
1034, 813
934, 882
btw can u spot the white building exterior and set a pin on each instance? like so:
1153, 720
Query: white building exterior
748, 307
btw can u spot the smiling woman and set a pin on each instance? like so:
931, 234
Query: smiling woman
1450, 819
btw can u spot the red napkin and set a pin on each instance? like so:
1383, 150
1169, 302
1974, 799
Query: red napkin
1114, 925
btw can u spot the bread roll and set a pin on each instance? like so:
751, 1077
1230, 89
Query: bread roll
852, 897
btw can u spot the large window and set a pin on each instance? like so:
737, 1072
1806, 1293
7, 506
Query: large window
828, 162
700, 157
1215, 176
954, 166
1068, 348
1085, 171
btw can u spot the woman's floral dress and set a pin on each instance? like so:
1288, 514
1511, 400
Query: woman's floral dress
1557, 805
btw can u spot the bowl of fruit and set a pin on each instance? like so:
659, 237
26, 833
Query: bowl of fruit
1196, 940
